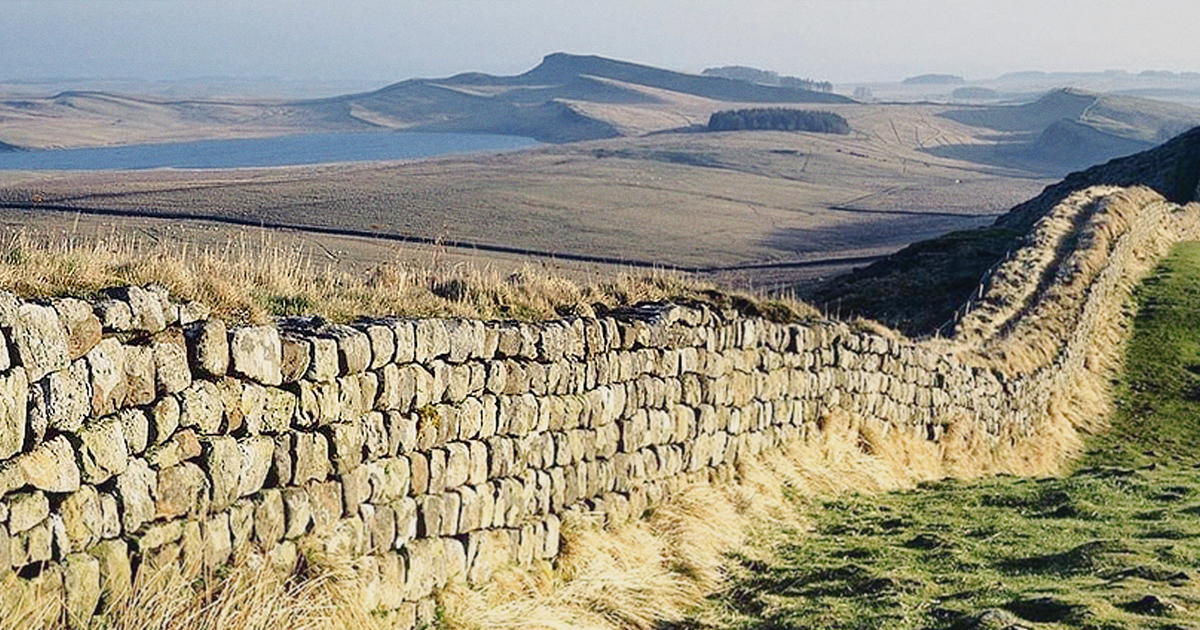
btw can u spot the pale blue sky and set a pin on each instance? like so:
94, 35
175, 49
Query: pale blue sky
389, 40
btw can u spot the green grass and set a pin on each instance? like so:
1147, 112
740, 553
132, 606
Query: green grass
1114, 545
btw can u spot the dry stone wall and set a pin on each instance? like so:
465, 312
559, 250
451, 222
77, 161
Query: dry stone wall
137, 432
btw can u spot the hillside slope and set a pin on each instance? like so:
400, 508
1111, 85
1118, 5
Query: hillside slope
919, 288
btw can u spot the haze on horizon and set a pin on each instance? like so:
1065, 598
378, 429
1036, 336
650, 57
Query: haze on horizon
384, 41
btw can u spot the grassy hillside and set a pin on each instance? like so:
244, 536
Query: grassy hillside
1114, 545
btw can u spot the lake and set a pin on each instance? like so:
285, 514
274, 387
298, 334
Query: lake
316, 148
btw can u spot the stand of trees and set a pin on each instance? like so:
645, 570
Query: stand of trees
778, 119
767, 77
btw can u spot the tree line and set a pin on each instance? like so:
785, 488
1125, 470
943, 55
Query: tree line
767, 77
778, 119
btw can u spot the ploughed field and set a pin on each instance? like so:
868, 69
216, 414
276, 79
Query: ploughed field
1114, 545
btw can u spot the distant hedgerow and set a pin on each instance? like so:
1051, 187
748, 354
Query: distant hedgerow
778, 119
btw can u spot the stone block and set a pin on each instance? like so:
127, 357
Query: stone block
353, 348
140, 379
297, 512
281, 461
51, 467
431, 340
116, 572
182, 446
81, 516
171, 370
319, 403
375, 434
278, 410
208, 347
182, 490
419, 466
26, 509
102, 450
347, 440
383, 343
323, 359
256, 353
458, 464
295, 357
110, 517
241, 526
81, 583
356, 488
201, 407
145, 309
326, 502
114, 315
217, 541
270, 518
40, 340
389, 479
257, 453
82, 327
33, 545
135, 427
14, 412
222, 462
135, 491
192, 312
61, 400
402, 432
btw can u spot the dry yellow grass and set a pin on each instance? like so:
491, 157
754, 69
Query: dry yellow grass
255, 279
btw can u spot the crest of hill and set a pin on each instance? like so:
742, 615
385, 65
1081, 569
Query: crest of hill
540, 103
918, 289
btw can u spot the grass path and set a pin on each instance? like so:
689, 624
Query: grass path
1114, 545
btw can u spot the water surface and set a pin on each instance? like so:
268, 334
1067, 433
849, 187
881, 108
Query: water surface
316, 148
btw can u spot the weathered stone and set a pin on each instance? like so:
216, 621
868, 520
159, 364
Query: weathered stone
169, 309
182, 446
356, 487
82, 327
50, 467
256, 462
311, 457
116, 572
102, 450
257, 353
404, 331
40, 340
208, 347
375, 434
171, 369
318, 404
389, 479
222, 461
106, 364
26, 509
164, 419
110, 517
145, 309
114, 315
61, 401
135, 491
431, 340
269, 518
81, 581
201, 407
402, 432
241, 525
5, 363
278, 411
295, 356
281, 461
159, 534
458, 464
14, 396
347, 440
136, 429
34, 545
298, 512
383, 344
218, 541
139, 376
192, 312
353, 347
81, 517
487, 552
182, 490
326, 502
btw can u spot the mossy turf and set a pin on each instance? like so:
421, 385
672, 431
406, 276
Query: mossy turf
1114, 545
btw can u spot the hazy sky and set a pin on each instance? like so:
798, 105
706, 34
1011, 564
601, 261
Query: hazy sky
389, 40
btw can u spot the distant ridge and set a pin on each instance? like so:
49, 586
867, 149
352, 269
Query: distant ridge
538, 103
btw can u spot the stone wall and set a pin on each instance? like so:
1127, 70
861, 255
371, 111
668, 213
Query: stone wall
136, 431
